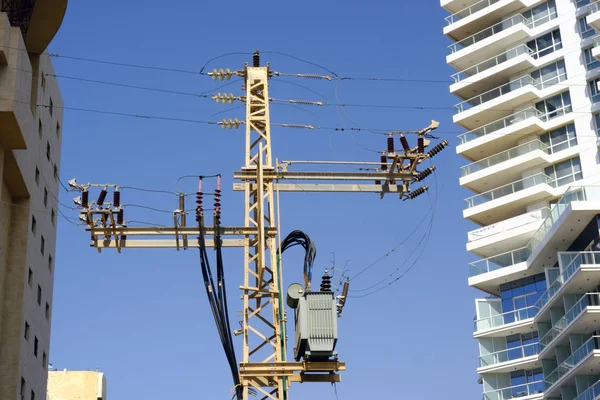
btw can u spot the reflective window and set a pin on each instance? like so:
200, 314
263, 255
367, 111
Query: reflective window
559, 139
590, 61
545, 44
565, 172
584, 29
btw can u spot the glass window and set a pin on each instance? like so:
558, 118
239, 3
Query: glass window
550, 74
594, 92
597, 122
541, 14
590, 61
584, 29
555, 106
559, 139
565, 172
545, 44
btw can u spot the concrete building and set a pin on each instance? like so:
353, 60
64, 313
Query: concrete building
76, 385
528, 75
30, 140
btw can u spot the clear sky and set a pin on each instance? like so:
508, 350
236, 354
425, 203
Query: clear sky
142, 316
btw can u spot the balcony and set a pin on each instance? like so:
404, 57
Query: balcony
585, 358
578, 272
596, 49
580, 318
591, 393
566, 220
505, 133
518, 321
492, 41
508, 200
481, 15
454, 6
506, 360
501, 237
492, 72
593, 17
495, 103
533, 389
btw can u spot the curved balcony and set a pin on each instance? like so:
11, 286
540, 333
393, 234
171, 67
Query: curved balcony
493, 40
526, 389
494, 103
505, 132
575, 320
481, 15
498, 321
505, 360
586, 357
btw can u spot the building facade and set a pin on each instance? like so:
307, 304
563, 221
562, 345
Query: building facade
30, 139
528, 83
76, 385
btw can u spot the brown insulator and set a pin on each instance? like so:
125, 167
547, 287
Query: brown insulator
417, 192
404, 143
384, 162
256, 59
116, 198
420, 145
424, 174
439, 147
85, 198
120, 219
102, 197
390, 143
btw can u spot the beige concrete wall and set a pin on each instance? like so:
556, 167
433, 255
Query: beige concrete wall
24, 101
76, 385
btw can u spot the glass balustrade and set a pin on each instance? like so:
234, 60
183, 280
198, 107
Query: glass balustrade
495, 321
500, 124
488, 32
578, 355
509, 354
588, 299
499, 261
504, 156
526, 389
593, 7
492, 62
465, 12
590, 393
509, 189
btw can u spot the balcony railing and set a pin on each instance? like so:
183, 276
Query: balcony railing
581, 3
504, 156
588, 299
509, 189
505, 318
499, 261
536, 216
593, 7
526, 389
590, 393
507, 88
511, 120
465, 12
577, 260
488, 32
492, 62
575, 358
509, 354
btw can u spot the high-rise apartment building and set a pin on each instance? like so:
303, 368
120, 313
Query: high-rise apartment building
30, 139
76, 385
528, 80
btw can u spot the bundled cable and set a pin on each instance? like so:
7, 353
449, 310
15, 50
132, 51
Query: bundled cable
218, 300
300, 238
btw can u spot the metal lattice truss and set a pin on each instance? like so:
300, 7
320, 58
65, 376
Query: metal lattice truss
19, 13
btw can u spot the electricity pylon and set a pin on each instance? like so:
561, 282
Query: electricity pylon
264, 369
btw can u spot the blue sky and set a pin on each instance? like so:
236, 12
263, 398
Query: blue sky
142, 316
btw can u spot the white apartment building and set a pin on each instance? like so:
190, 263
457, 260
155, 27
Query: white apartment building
528, 83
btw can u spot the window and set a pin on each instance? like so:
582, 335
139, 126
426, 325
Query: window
555, 106
585, 30
36, 344
550, 74
47, 311
559, 139
58, 129
525, 383
55, 172
45, 197
594, 90
523, 345
50, 262
39, 295
590, 62
51, 107
541, 14
545, 44
565, 172
48, 150
37, 175
53, 217
40, 130
520, 296
44, 360
597, 122
43, 81
26, 334
30, 277
22, 389
33, 225
32, 395
43, 245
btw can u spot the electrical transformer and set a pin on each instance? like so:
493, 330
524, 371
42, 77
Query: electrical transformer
316, 323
